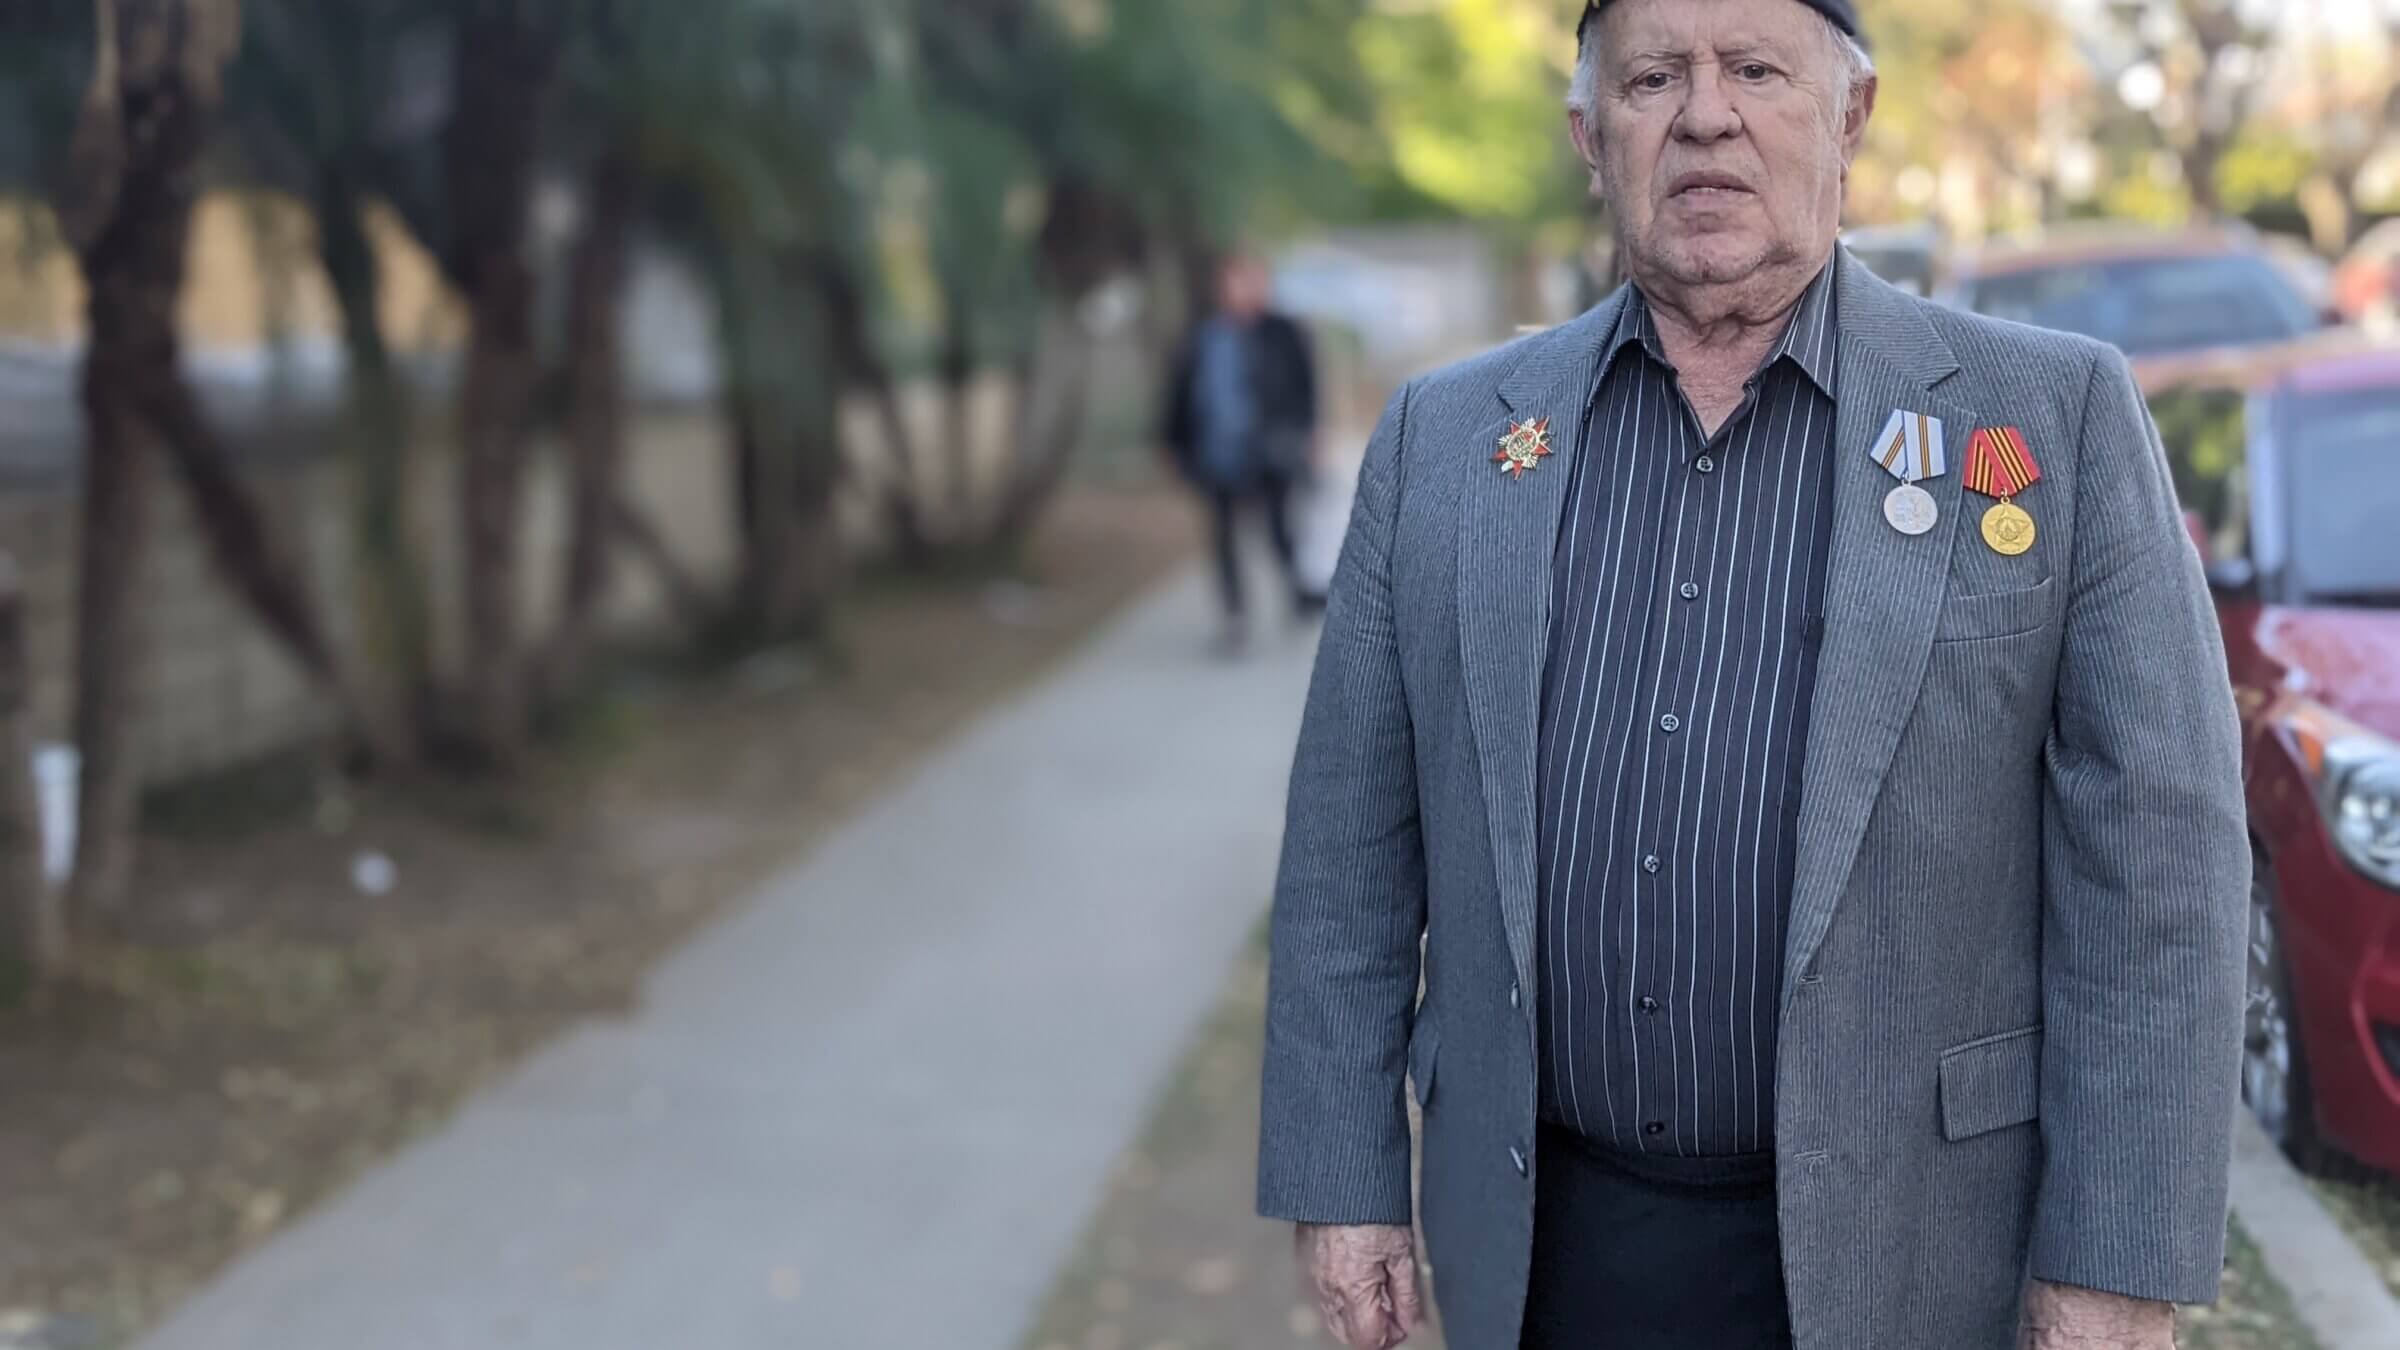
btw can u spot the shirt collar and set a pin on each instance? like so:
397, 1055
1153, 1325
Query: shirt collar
1809, 340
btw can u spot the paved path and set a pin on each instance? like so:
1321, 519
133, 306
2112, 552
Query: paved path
873, 1108
2337, 1293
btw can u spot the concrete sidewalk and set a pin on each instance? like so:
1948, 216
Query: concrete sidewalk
873, 1108
2333, 1287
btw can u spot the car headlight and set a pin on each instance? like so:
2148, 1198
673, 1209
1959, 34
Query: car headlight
2358, 788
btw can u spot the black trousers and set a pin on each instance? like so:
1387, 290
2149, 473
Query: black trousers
1638, 1253
1271, 495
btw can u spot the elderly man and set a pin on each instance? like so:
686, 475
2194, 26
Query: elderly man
1779, 725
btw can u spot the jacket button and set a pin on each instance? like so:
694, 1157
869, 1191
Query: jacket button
1515, 996
1516, 1158
1655, 1128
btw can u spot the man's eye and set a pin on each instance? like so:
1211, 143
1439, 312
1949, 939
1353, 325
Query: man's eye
1655, 80
1752, 70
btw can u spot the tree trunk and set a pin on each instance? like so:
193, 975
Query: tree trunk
133, 178
503, 68
596, 411
2200, 178
958, 375
110, 646
32, 936
251, 556
395, 617
596, 393
641, 538
1055, 396
770, 477
784, 405
851, 350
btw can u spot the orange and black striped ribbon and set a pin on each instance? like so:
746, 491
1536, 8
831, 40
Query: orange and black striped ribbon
1999, 464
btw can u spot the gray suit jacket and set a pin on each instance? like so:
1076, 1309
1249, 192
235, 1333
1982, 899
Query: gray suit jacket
2012, 1005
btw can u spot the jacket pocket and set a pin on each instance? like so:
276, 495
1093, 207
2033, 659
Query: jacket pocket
1420, 1060
1992, 1083
1997, 614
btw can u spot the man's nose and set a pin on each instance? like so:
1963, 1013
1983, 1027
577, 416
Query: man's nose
1708, 113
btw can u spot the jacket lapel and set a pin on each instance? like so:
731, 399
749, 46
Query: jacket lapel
1506, 533
1883, 594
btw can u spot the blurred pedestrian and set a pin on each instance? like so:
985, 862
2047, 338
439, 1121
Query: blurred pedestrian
1242, 427
1779, 724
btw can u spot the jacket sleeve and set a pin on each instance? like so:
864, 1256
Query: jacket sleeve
2146, 863
1349, 899
1304, 375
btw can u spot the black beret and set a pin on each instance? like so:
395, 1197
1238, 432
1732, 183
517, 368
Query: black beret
1842, 12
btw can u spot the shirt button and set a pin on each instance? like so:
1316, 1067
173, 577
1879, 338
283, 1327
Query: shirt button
1690, 591
1648, 1004
1651, 864
1516, 1159
1514, 997
1654, 1129
1706, 464
1670, 724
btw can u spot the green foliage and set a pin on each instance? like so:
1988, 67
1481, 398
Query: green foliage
1472, 97
2138, 195
2263, 169
45, 62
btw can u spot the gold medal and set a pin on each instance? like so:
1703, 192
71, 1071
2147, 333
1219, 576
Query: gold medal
2000, 464
2008, 529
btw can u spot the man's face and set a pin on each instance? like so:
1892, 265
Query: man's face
1241, 288
1722, 133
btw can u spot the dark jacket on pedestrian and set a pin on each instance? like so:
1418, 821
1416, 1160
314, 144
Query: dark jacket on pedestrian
1282, 383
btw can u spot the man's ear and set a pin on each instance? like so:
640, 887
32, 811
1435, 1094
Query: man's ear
1579, 130
1854, 119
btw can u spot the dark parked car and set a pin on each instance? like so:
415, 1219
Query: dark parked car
2289, 473
2149, 292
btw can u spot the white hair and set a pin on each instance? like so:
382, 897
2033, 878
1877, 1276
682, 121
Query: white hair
1583, 95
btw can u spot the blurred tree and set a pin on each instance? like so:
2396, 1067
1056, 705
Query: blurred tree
1985, 88
1472, 99
2202, 66
126, 191
32, 936
325, 104
504, 59
2353, 103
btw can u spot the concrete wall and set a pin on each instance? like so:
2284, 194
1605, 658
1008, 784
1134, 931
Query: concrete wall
216, 692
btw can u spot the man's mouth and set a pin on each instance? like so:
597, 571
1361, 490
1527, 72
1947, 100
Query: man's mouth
1705, 186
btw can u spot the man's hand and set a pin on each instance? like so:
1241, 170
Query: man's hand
1364, 1280
2062, 1317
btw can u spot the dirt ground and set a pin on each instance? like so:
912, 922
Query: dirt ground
1174, 1260
264, 1026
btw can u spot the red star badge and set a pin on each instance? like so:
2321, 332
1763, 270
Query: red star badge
1525, 446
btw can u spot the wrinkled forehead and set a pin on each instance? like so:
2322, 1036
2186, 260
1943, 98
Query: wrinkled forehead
1691, 30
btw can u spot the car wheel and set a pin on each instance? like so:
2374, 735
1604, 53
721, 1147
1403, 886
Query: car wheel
2274, 1067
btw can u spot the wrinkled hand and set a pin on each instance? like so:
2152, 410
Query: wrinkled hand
1364, 1280
2062, 1317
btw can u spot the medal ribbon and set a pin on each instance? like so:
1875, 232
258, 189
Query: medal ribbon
1999, 464
1911, 447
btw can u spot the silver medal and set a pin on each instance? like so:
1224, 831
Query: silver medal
1911, 509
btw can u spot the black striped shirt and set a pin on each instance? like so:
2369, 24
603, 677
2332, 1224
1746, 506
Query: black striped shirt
1688, 585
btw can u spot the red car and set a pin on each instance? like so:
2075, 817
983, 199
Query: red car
2289, 472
